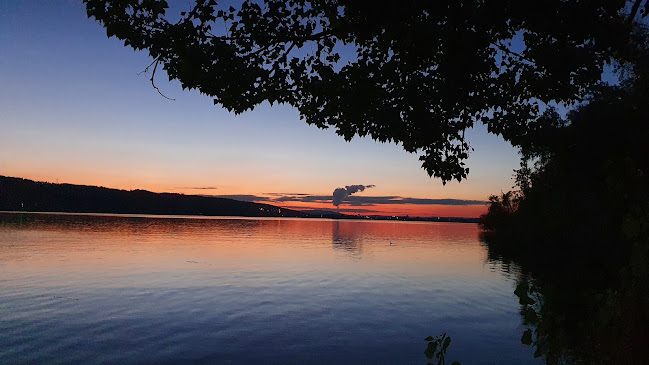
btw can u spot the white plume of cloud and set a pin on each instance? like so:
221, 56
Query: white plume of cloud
341, 193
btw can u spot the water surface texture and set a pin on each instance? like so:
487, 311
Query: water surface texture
105, 288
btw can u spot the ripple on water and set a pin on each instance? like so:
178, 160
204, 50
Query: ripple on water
120, 290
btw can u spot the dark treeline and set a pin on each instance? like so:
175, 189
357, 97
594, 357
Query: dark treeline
26, 195
578, 227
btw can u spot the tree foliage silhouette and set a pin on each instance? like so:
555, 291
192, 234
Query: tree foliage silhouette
417, 73
578, 227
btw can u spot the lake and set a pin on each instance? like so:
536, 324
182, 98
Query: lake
123, 289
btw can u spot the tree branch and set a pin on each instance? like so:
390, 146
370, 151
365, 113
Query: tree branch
285, 55
155, 63
512, 53
312, 37
634, 11
147, 68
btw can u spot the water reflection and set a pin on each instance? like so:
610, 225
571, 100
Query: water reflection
346, 239
82, 288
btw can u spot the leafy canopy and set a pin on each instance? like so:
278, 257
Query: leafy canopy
417, 73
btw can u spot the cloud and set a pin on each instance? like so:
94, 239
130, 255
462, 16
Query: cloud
244, 197
356, 210
379, 200
342, 193
284, 194
198, 187
351, 200
304, 198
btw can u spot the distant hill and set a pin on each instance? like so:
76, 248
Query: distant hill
18, 194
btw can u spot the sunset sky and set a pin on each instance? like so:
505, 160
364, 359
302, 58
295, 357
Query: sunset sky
74, 109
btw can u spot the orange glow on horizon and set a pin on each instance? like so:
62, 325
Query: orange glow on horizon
413, 210
132, 183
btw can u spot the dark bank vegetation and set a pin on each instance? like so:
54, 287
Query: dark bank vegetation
588, 188
578, 226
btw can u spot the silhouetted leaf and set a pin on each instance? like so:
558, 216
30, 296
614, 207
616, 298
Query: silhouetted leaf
529, 316
447, 342
526, 339
431, 350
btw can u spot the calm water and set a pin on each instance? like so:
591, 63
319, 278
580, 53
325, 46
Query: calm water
79, 288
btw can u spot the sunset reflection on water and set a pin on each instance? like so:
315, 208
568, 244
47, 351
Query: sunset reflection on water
282, 282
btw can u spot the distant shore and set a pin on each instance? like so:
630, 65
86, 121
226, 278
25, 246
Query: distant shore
170, 216
23, 195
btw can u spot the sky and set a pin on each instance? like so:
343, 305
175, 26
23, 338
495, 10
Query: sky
74, 109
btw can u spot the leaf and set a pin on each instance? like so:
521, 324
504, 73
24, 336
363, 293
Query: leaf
430, 351
447, 342
521, 289
429, 338
529, 316
521, 292
526, 339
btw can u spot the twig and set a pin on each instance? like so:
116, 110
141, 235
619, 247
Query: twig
285, 55
634, 10
147, 68
157, 61
508, 51
312, 37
